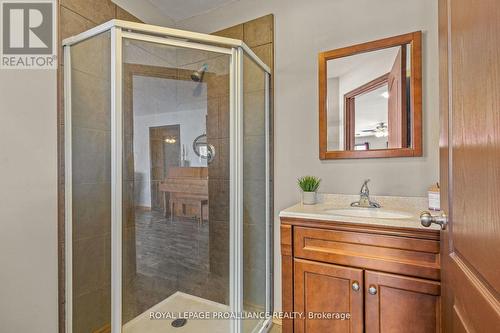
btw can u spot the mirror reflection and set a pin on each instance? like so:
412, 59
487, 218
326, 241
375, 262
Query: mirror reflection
368, 100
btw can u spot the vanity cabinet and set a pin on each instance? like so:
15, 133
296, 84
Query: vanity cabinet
325, 288
401, 304
386, 279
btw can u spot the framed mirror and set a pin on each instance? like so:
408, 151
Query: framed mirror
203, 149
370, 99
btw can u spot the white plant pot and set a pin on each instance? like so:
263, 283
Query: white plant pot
309, 198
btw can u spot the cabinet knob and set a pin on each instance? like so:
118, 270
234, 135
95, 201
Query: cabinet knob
355, 286
372, 290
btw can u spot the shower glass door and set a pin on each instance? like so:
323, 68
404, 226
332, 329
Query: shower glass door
175, 191
88, 184
256, 196
167, 182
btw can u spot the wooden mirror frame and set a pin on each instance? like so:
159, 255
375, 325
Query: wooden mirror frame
415, 40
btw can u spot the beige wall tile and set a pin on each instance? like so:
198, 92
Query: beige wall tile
91, 101
254, 249
265, 53
212, 118
89, 265
93, 56
91, 210
91, 156
258, 31
254, 158
224, 158
92, 311
128, 204
219, 168
232, 32
97, 11
254, 113
218, 85
129, 254
218, 199
122, 14
71, 23
219, 248
128, 158
224, 116
254, 202
254, 77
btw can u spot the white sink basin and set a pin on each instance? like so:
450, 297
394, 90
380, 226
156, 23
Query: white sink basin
375, 213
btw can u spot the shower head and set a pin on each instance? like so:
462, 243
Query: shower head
197, 76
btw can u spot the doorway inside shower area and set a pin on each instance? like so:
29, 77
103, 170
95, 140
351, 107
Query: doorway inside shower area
167, 182
170, 263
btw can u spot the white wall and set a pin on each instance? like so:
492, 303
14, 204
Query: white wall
334, 116
192, 124
28, 201
162, 102
304, 28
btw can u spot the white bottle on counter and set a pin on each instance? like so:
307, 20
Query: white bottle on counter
434, 197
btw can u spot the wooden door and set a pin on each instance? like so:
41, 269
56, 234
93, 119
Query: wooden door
325, 288
163, 155
469, 38
398, 303
397, 113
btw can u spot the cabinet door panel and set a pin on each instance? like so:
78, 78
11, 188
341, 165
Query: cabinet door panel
401, 304
328, 289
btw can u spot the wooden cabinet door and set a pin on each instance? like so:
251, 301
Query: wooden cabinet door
395, 304
327, 289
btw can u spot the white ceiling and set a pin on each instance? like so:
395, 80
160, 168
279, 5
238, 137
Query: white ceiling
371, 109
178, 10
381, 58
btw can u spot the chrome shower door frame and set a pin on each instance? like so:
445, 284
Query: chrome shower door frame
235, 49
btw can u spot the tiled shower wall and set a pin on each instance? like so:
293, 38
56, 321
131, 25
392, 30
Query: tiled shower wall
91, 239
258, 34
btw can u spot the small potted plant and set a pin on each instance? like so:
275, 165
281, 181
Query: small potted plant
309, 186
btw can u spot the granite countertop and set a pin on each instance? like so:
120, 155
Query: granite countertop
410, 207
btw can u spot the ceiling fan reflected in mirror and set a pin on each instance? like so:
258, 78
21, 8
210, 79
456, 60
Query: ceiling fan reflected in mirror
380, 130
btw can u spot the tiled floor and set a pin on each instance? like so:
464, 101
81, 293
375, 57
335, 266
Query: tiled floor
170, 256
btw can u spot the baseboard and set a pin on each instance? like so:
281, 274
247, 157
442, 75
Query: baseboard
105, 329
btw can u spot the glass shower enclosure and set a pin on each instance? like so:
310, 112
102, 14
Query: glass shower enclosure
167, 182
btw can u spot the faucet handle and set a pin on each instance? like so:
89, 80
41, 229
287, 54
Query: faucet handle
364, 187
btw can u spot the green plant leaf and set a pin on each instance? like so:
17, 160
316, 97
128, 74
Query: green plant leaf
309, 183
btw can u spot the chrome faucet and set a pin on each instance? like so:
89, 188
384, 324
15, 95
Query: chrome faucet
364, 198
